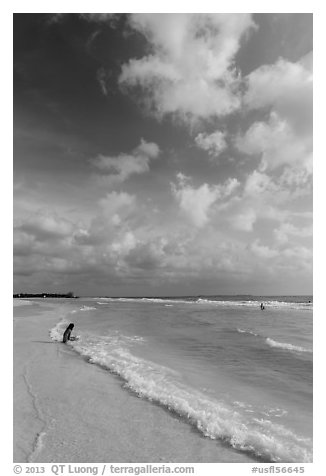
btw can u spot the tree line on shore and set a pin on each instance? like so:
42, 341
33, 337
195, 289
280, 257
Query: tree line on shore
45, 295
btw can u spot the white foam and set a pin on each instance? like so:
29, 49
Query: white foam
275, 412
211, 301
286, 346
56, 333
247, 331
215, 419
21, 302
256, 304
275, 344
146, 300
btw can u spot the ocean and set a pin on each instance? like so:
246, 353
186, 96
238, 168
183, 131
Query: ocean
235, 372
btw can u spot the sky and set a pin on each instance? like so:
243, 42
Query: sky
163, 154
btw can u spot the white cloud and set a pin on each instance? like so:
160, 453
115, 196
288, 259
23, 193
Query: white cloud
298, 177
120, 168
229, 186
279, 82
44, 226
189, 72
244, 220
213, 143
268, 196
124, 245
258, 183
276, 143
262, 251
285, 86
284, 90
197, 202
116, 205
147, 149
287, 230
149, 254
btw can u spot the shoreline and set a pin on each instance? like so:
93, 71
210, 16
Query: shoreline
67, 410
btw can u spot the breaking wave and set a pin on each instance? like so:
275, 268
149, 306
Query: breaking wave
247, 331
275, 344
285, 346
218, 301
256, 304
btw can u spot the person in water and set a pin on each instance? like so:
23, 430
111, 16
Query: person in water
67, 332
262, 307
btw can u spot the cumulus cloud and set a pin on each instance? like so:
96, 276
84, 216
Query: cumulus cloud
189, 72
115, 245
285, 86
197, 202
257, 183
284, 91
121, 167
45, 226
262, 251
213, 143
244, 220
261, 196
45, 243
287, 230
276, 143
148, 255
111, 221
127, 243
117, 202
298, 178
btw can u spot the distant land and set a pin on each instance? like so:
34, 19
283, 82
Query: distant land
45, 295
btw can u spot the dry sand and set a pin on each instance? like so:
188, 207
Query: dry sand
67, 410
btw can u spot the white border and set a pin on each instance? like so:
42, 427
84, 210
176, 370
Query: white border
66, 6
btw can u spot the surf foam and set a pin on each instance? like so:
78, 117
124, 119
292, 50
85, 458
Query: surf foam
247, 331
286, 346
256, 304
211, 301
275, 344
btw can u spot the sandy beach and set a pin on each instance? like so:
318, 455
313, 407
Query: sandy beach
67, 410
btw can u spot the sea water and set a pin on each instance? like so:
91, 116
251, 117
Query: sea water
237, 373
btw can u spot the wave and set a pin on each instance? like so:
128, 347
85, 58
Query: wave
88, 308
255, 303
149, 300
213, 418
247, 331
285, 346
275, 344
21, 302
